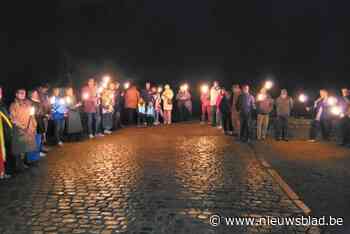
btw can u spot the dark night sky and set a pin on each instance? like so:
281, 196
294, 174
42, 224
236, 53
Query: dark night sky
301, 43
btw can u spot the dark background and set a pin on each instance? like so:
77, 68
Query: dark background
301, 44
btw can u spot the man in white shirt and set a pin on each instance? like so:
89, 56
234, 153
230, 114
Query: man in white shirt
214, 93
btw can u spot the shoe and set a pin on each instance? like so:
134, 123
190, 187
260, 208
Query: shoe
286, 139
91, 136
100, 135
60, 143
45, 149
107, 132
202, 122
156, 123
219, 127
312, 140
42, 154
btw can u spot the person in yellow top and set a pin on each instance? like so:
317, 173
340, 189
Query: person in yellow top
107, 104
167, 98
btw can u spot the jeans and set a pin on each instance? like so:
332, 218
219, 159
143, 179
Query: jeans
226, 122
167, 116
117, 120
141, 118
107, 121
282, 127
317, 126
262, 125
213, 115
35, 155
205, 113
246, 122
94, 121
59, 128
131, 115
158, 113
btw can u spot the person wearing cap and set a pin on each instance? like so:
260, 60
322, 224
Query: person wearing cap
245, 106
284, 105
167, 97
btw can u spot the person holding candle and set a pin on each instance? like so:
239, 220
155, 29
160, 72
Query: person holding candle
107, 107
214, 93
342, 124
23, 119
141, 113
150, 114
264, 104
284, 105
118, 106
245, 106
74, 126
157, 104
184, 103
321, 117
6, 158
205, 104
167, 97
58, 113
91, 107
40, 117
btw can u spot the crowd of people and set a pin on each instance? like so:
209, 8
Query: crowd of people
102, 107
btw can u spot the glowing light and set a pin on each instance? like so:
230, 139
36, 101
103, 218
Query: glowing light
302, 98
100, 90
52, 100
126, 85
261, 97
332, 101
160, 89
68, 100
85, 96
268, 84
111, 96
32, 111
184, 87
337, 110
62, 101
205, 88
106, 79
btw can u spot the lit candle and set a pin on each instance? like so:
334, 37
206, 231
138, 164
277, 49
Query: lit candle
205, 88
126, 85
85, 96
160, 89
32, 111
336, 110
332, 101
302, 98
261, 97
268, 84
68, 100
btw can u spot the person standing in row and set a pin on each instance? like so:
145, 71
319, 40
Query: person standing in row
214, 93
118, 106
73, 126
157, 105
284, 105
92, 108
184, 103
6, 159
245, 106
321, 118
132, 98
205, 105
107, 108
236, 90
23, 119
167, 98
225, 110
58, 114
264, 104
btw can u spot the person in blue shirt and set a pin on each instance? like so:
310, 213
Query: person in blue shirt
58, 113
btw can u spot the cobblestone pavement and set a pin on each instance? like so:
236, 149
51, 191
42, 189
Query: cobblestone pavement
160, 180
317, 172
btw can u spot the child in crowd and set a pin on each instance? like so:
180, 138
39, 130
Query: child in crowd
141, 113
150, 114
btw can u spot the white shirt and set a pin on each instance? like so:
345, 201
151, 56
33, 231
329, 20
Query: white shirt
214, 93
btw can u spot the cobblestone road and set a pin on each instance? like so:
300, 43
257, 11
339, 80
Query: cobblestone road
161, 180
318, 172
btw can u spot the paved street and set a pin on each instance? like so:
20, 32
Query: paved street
318, 172
160, 180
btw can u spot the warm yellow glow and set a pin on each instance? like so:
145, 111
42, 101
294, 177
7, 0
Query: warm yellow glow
268, 84
261, 97
205, 88
336, 110
32, 111
62, 101
302, 98
332, 101
126, 85
68, 100
160, 89
85, 96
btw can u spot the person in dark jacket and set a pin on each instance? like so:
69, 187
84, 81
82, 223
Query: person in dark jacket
225, 109
245, 106
284, 105
343, 124
321, 118
147, 94
118, 106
